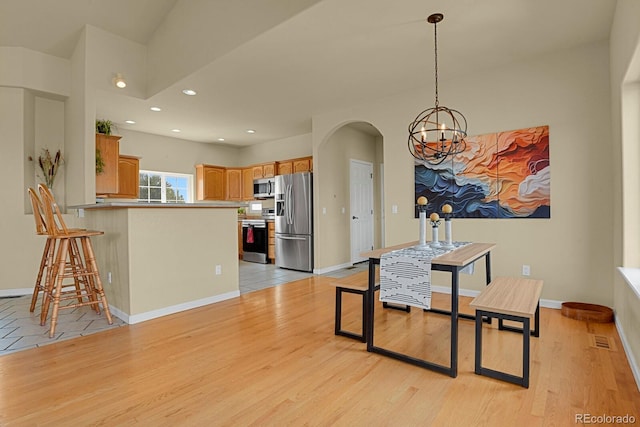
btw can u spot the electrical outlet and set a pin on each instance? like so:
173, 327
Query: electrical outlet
218, 270
109, 277
394, 209
324, 211
526, 270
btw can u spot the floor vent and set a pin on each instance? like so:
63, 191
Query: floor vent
350, 268
600, 341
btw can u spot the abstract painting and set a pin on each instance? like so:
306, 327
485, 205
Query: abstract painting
499, 175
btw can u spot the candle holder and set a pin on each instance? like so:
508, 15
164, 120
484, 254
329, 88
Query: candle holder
435, 222
448, 243
422, 215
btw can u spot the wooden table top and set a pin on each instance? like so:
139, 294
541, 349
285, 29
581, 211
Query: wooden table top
458, 257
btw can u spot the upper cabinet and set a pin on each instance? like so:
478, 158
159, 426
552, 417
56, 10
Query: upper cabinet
210, 182
234, 184
265, 170
303, 164
108, 151
128, 177
247, 183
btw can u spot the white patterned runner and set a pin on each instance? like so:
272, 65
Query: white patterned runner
405, 275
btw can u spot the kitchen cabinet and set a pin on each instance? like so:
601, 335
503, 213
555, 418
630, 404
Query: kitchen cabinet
109, 148
210, 182
285, 167
302, 165
234, 184
271, 234
265, 170
128, 177
247, 184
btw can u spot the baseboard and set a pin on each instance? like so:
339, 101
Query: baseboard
627, 350
332, 268
153, 314
15, 292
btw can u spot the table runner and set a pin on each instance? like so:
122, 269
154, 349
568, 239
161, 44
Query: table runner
405, 275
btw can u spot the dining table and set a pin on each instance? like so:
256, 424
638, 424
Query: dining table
453, 262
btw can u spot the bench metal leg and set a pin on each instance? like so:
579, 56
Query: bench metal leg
338, 315
526, 348
535, 332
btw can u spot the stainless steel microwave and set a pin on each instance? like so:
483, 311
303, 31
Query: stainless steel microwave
264, 188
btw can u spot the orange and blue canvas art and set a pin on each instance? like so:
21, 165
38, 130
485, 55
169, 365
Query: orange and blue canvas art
499, 175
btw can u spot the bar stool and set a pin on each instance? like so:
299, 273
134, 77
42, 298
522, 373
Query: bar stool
46, 262
81, 267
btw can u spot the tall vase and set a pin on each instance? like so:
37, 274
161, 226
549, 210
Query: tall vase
448, 239
423, 229
435, 243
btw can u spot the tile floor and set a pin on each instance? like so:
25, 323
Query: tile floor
21, 330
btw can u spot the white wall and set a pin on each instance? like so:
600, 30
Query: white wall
164, 154
568, 91
280, 149
625, 101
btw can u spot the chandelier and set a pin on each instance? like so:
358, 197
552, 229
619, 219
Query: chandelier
437, 132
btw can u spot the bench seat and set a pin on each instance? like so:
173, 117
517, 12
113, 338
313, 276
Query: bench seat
357, 283
509, 298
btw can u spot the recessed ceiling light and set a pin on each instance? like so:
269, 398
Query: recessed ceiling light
176, 130
189, 92
221, 139
251, 131
155, 109
130, 122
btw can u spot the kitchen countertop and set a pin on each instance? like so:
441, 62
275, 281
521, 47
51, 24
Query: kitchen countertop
126, 205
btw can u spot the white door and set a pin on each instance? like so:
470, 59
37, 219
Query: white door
362, 227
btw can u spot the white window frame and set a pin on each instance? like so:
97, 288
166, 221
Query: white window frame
163, 179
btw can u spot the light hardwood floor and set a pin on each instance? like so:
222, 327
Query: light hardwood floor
270, 358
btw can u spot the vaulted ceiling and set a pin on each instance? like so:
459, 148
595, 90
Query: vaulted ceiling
270, 65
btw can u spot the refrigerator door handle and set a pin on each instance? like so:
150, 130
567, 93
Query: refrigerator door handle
290, 238
290, 204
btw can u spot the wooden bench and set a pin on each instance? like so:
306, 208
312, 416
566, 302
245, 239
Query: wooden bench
357, 283
515, 299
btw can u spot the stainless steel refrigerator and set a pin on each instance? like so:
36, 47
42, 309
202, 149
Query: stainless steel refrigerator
294, 221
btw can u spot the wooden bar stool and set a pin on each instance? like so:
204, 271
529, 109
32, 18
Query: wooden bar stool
81, 267
46, 262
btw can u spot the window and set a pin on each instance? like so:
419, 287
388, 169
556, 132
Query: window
165, 187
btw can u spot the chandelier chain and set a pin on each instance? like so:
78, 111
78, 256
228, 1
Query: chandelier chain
435, 41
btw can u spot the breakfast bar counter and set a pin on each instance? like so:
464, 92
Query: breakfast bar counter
157, 259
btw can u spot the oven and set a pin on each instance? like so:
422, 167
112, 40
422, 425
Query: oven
255, 240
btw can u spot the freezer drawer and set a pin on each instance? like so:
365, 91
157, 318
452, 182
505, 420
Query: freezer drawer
294, 252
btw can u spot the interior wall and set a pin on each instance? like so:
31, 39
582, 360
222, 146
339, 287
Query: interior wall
165, 154
625, 82
566, 90
333, 200
279, 149
18, 268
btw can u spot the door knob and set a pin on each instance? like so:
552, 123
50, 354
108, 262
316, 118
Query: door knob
354, 217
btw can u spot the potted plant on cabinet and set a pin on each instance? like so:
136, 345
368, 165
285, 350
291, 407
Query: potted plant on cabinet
107, 154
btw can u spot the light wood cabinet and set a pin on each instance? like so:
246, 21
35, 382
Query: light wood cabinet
128, 177
302, 165
210, 182
285, 168
234, 184
264, 170
109, 147
271, 233
247, 184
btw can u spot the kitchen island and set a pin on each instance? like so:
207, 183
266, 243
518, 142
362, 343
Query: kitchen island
159, 259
